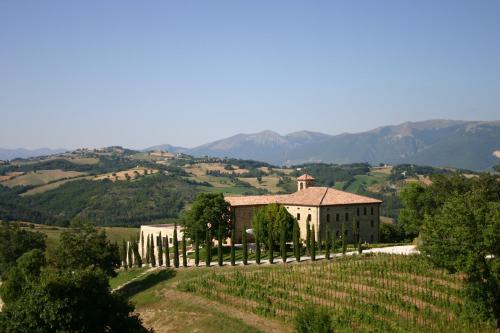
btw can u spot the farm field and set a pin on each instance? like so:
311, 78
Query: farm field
379, 293
122, 175
269, 183
36, 178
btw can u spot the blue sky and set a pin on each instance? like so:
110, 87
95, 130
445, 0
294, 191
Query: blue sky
140, 73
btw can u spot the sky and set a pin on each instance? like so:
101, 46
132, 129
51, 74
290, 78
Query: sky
140, 73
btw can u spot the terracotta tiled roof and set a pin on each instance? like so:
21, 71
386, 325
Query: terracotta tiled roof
311, 196
306, 177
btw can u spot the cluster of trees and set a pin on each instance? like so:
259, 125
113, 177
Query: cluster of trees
66, 291
328, 174
458, 220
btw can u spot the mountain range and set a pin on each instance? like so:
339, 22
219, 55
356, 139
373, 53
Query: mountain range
471, 145
9, 154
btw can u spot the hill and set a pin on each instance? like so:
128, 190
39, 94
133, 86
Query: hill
444, 143
9, 154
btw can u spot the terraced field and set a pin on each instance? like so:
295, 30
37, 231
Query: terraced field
380, 293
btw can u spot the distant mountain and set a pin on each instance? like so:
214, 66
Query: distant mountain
10, 154
166, 147
459, 144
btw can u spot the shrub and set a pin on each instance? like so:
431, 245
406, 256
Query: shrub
313, 319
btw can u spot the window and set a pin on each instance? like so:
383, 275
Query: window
327, 217
357, 225
309, 217
371, 223
337, 217
337, 234
170, 240
357, 211
298, 216
347, 216
371, 238
364, 210
371, 210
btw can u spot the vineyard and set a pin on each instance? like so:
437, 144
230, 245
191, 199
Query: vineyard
381, 293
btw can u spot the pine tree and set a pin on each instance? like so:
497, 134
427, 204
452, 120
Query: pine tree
233, 239
313, 244
142, 244
343, 239
220, 255
148, 252
245, 247
152, 254
176, 248
270, 245
208, 248
283, 243
308, 239
327, 245
196, 250
167, 252
159, 241
184, 251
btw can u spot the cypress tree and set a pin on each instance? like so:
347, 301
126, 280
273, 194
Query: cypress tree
142, 244
313, 244
184, 251
176, 248
124, 254
196, 250
220, 255
327, 245
360, 246
257, 248
296, 240
148, 252
167, 252
152, 254
334, 244
208, 248
233, 239
138, 259
308, 239
129, 254
283, 243
344, 243
245, 247
159, 242
270, 245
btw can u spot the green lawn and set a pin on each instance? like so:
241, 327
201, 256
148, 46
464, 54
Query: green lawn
125, 276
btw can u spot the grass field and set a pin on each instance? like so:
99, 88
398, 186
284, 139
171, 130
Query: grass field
41, 177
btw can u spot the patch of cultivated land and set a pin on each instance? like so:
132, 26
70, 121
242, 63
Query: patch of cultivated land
41, 177
269, 183
122, 175
10, 175
51, 186
373, 293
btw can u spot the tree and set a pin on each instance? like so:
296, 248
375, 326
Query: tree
138, 259
220, 255
245, 247
176, 248
159, 242
123, 254
270, 245
184, 252
313, 244
83, 246
208, 247
233, 239
257, 249
148, 252
14, 242
152, 251
283, 243
208, 211
343, 239
167, 252
308, 239
463, 236
268, 221
327, 245
196, 251
142, 244
130, 255
296, 240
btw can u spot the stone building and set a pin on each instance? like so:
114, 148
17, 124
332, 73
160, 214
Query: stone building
325, 208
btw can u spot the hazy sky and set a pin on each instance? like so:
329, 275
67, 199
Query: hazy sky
140, 73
